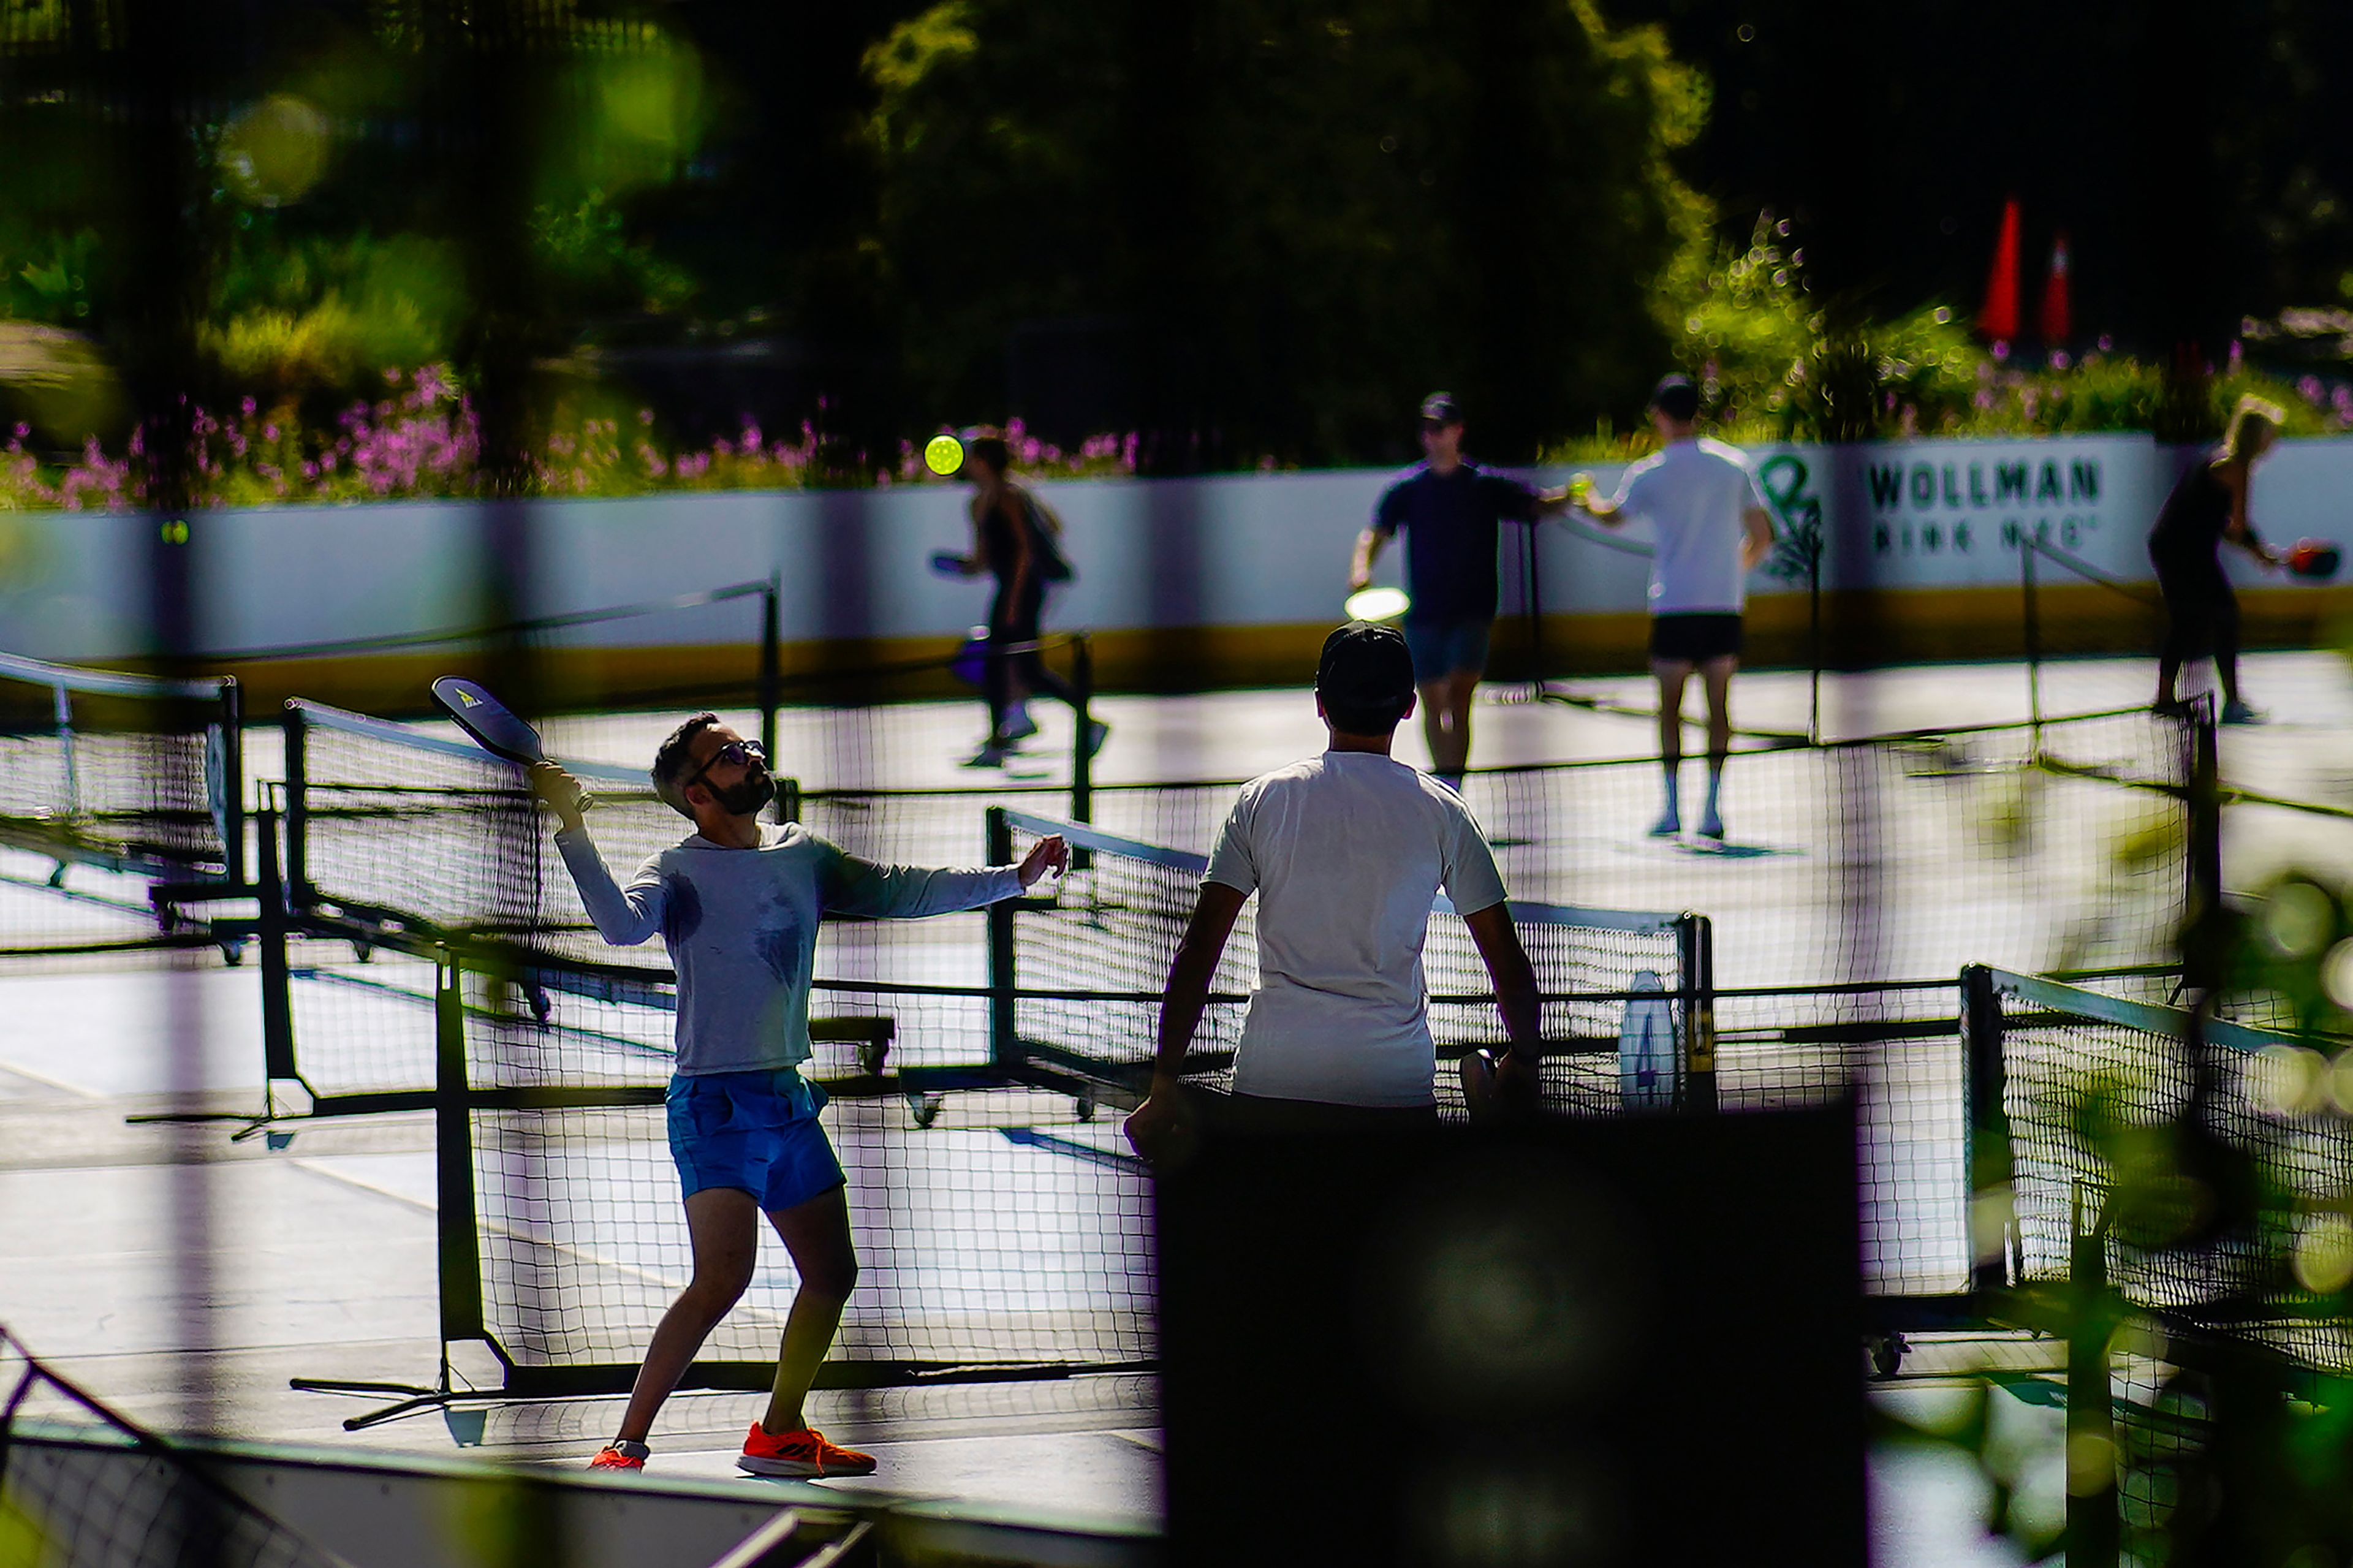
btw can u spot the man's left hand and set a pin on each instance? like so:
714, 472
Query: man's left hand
1050, 854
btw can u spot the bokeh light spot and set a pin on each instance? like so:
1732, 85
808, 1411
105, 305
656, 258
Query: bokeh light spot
2323, 1255
275, 150
2287, 1080
2298, 920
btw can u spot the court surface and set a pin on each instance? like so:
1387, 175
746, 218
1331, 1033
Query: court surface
124, 1246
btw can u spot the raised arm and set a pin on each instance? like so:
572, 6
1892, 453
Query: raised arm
1160, 1119
856, 886
624, 916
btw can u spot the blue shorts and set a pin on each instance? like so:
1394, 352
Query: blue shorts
754, 1132
1442, 648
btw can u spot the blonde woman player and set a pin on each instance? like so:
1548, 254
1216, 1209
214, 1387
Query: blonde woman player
2208, 508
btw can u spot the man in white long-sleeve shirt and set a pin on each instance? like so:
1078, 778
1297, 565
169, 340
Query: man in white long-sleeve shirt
738, 903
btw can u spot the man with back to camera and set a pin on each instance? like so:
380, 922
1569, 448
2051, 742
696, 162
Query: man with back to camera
738, 903
1346, 852
1450, 509
1703, 501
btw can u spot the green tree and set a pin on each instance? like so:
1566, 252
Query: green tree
1302, 219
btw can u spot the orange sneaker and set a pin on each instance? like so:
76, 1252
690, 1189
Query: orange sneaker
802, 1453
620, 1455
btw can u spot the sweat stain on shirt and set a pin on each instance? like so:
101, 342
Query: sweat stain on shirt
779, 946
683, 913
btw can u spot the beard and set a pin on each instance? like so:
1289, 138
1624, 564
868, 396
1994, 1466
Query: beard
748, 793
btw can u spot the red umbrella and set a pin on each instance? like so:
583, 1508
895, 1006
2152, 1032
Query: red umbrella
2057, 319
1998, 319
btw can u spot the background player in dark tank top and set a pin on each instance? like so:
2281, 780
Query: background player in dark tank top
2208, 507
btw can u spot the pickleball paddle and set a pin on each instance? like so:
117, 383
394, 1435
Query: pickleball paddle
947, 563
2315, 558
1376, 603
494, 725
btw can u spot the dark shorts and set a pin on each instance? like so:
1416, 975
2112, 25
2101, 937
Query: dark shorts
1695, 637
754, 1132
1442, 648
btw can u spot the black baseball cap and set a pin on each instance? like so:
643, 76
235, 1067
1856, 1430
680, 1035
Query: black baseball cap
1365, 665
1676, 397
1440, 408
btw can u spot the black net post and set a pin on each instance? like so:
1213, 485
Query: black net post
453, 1163
277, 995
2032, 626
2092, 1523
772, 660
298, 895
228, 780
1004, 1042
1814, 640
1082, 760
1993, 1209
2205, 823
1695, 950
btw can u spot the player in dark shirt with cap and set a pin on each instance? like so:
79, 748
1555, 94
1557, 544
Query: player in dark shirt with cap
1450, 509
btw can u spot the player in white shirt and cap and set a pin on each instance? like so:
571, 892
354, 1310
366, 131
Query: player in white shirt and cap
1702, 500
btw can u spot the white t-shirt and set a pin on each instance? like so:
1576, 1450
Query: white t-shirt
1346, 853
1693, 495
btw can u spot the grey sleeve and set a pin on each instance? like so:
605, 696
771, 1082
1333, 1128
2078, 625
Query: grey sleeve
851, 885
624, 916
1471, 879
1231, 863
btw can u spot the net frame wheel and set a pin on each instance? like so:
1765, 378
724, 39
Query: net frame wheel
1887, 1355
1083, 1106
872, 1055
925, 1108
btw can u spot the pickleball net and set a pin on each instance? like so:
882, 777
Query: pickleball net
2062, 846
1087, 967
1003, 1225
2147, 1119
82, 1484
113, 787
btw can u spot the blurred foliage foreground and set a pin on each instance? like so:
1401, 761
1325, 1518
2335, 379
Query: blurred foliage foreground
2203, 1291
729, 253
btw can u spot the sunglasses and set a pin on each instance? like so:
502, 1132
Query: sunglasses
743, 754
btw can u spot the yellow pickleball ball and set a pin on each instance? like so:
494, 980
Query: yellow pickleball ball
943, 455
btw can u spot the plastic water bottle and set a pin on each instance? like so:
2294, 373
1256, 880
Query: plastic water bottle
1646, 1048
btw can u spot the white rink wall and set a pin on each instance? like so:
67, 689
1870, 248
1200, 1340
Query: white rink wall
1227, 550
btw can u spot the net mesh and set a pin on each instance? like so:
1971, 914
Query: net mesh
1089, 964
999, 1225
109, 783
2043, 847
2109, 1103
80, 1487
427, 833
